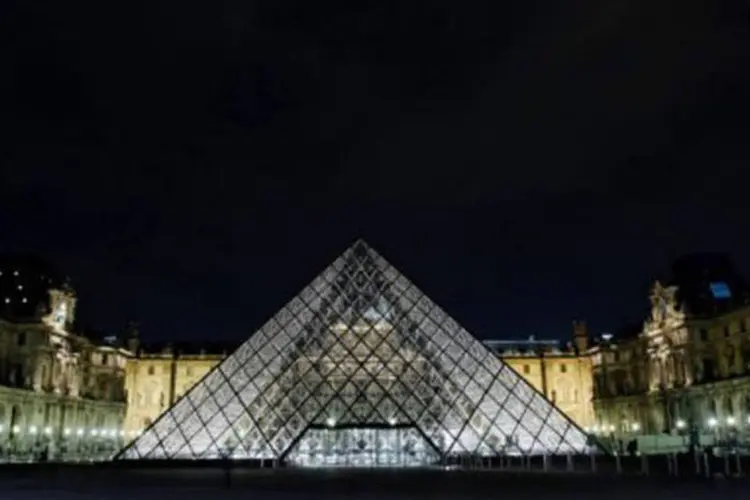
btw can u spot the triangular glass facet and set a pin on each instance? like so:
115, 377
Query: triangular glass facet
361, 368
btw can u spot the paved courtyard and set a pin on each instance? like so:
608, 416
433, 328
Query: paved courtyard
42, 483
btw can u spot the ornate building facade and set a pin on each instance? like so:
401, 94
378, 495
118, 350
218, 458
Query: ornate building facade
686, 369
158, 375
61, 393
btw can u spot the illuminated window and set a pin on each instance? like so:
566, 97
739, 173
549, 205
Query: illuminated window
720, 290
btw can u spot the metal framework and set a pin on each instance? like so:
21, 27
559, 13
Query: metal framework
361, 368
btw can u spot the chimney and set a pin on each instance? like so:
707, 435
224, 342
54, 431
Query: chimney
580, 336
132, 338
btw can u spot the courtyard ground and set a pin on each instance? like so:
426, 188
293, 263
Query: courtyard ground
46, 483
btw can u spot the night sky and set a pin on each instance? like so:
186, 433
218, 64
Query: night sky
193, 164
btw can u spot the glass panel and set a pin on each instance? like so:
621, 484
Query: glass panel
363, 447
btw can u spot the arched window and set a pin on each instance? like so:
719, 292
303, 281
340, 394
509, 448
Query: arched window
15, 417
728, 405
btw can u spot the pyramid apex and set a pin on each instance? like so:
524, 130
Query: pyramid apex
360, 242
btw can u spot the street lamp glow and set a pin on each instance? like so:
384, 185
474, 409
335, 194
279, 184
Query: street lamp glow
680, 423
331, 422
66, 431
611, 428
635, 426
94, 432
16, 429
80, 432
48, 430
32, 429
392, 421
731, 420
712, 422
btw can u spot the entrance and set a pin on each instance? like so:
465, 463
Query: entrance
363, 447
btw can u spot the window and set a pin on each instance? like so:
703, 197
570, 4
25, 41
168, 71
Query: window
743, 325
526, 369
189, 371
726, 331
728, 405
703, 334
151, 370
105, 359
720, 290
563, 368
22, 338
553, 396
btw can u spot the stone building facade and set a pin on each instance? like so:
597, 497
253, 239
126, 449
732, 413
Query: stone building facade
562, 373
685, 371
61, 393
156, 376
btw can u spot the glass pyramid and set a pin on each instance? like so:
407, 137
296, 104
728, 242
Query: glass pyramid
361, 368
